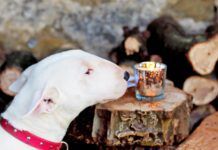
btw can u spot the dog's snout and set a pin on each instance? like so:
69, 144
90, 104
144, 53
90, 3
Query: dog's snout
126, 76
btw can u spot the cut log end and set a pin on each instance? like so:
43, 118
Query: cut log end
203, 90
8, 76
203, 56
12, 67
132, 45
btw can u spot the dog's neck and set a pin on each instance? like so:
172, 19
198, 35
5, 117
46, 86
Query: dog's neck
51, 127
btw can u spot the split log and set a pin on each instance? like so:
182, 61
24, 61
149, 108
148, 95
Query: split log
205, 137
11, 69
199, 113
203, 56
127, 121
203, 90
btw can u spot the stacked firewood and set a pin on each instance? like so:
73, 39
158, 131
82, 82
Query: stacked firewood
188, 57
191, 61
192, 64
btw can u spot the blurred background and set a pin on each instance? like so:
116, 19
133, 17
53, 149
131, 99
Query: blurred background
43, 26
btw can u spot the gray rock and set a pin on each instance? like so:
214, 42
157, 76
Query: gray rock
96, 26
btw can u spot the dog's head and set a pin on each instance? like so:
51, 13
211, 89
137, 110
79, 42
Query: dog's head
69, 80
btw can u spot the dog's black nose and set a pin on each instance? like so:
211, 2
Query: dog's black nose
126, 76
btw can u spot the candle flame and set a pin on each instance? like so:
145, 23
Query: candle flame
149, 65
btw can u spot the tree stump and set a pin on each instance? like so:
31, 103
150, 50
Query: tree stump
127, 121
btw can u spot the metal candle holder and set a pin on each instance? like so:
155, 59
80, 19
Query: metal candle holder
150, 80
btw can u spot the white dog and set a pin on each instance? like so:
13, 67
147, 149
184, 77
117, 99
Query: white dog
51, 93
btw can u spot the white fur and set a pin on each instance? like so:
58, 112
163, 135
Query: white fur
62, 79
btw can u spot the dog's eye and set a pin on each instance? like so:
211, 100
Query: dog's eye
89, 71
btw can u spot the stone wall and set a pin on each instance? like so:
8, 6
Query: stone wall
43, 26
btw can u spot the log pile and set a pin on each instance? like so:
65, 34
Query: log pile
185, 55
192, 65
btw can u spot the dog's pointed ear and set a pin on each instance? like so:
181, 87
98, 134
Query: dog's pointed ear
44, 101
19, 83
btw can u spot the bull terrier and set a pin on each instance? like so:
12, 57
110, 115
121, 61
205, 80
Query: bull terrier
51, 93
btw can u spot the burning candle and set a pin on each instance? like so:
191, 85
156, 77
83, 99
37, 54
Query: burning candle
150, 80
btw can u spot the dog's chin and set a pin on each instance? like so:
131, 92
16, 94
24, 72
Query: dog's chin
117, 94
123, 87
